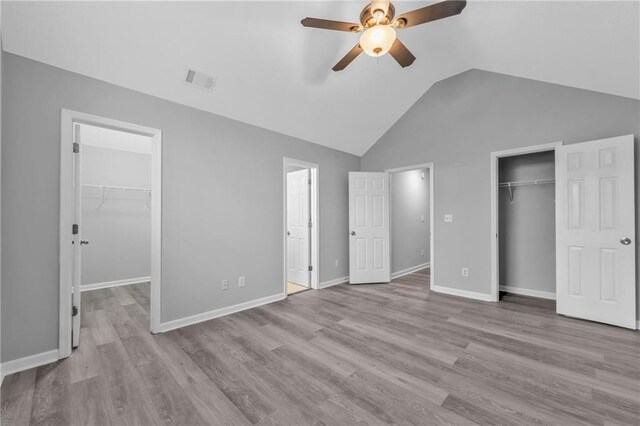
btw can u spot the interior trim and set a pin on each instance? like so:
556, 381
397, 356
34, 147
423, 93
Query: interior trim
117, 283
526, 292
333, 282
462, 293
411, 270
205, 316
27, 362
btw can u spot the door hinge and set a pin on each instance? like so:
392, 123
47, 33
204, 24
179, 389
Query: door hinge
75, 228
310, 268
309, 181
310, 224
74, 311
76, 147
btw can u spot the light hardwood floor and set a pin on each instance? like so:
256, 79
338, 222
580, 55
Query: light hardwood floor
344, 355
293, 288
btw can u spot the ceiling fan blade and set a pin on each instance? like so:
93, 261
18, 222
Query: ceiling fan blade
401, 54
348, 58
430, 13
327, 24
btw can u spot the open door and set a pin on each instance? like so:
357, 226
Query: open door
369, 260
595, 220
77, 236
298, 227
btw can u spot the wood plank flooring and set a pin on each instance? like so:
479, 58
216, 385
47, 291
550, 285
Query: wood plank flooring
345, 355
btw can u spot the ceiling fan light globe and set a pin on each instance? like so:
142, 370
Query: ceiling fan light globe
377, 40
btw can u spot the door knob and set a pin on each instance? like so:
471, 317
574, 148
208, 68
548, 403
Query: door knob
82, 242
353, 232
625, 241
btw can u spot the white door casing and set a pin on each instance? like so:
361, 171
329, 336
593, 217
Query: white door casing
70, 214
595, 231
298, 230
369, 260
77, 237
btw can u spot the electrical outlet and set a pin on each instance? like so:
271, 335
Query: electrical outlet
422, 252
465, 272
241, 282
337, 263
225, 284
448, 218
422, 218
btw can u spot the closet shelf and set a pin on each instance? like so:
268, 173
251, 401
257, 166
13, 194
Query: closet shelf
118, 188
523, 183
104, 189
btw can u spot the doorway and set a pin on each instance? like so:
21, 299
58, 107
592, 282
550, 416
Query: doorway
523, 221
595, 268
109, 219
412, 221
526, 224
300, 226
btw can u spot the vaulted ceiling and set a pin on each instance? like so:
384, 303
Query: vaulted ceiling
276, 74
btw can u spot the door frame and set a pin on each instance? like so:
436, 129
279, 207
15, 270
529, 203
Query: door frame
67, 120
314, 259
495, 208
428, 166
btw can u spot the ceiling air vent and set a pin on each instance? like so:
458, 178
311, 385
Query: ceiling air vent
199, 79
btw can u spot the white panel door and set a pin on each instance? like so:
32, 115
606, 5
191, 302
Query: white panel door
369, 228
298, 232
77, 238
595, 231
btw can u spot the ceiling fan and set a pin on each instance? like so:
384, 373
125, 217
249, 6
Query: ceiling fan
378, 28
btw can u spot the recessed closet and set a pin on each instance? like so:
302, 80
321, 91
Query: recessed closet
527, 252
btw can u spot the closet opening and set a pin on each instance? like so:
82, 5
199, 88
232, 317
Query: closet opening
109, 229
411, 223
525, 223
300, 226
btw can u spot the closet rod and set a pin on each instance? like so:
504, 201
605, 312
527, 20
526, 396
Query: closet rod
119, 188
525, 182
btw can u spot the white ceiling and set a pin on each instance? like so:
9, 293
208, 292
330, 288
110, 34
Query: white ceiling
275, 74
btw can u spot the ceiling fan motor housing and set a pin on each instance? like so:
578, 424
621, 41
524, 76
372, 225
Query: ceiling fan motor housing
368, 18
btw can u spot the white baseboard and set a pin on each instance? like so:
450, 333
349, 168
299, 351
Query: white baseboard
205, 316
408, 271
334, 282
463, 293
527, 292
117, 283
28, 362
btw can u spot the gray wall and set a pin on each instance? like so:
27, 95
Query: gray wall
409, 234
119, 231
222, 211
528, 223
459, 121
